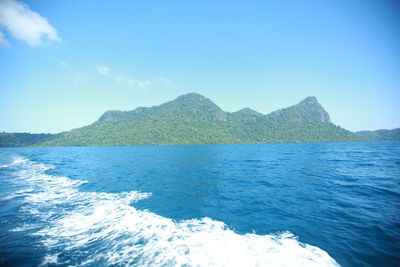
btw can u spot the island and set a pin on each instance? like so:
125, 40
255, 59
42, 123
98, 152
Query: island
195, 119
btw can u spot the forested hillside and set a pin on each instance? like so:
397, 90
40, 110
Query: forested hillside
195, 119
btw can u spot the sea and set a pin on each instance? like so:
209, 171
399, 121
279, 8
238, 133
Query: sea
293, 204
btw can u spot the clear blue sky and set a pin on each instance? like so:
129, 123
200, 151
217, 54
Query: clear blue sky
64, 63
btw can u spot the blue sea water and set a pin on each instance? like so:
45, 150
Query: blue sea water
310, 204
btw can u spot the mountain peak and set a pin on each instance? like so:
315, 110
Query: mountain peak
247, 111
192, 100
310, 100
309, 109
196, 105
192, 96
111, 115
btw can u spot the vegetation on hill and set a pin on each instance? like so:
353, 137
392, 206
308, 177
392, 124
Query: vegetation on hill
380, 135
195, 119
24, 139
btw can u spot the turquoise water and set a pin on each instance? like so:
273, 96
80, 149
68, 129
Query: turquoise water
312, 204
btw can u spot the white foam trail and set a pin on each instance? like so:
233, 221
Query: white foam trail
16, 161
50, 259
24, 227
104, 229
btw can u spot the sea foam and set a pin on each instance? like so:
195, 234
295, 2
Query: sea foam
97, 228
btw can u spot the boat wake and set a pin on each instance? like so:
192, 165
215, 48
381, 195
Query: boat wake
96, 228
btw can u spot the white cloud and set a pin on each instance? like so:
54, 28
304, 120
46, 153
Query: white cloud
3, 41
143, 83
64, 64
127, 81
24, 24
165, 80
103, 70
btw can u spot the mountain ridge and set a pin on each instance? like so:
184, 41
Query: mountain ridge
195, 119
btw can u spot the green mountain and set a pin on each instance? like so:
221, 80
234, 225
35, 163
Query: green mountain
195, 119
23, 139
380, 135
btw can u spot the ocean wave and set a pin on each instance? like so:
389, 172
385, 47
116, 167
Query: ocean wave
97, 228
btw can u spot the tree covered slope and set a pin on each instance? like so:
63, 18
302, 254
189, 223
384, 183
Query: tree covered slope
380, 135
23, 139
195, 119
